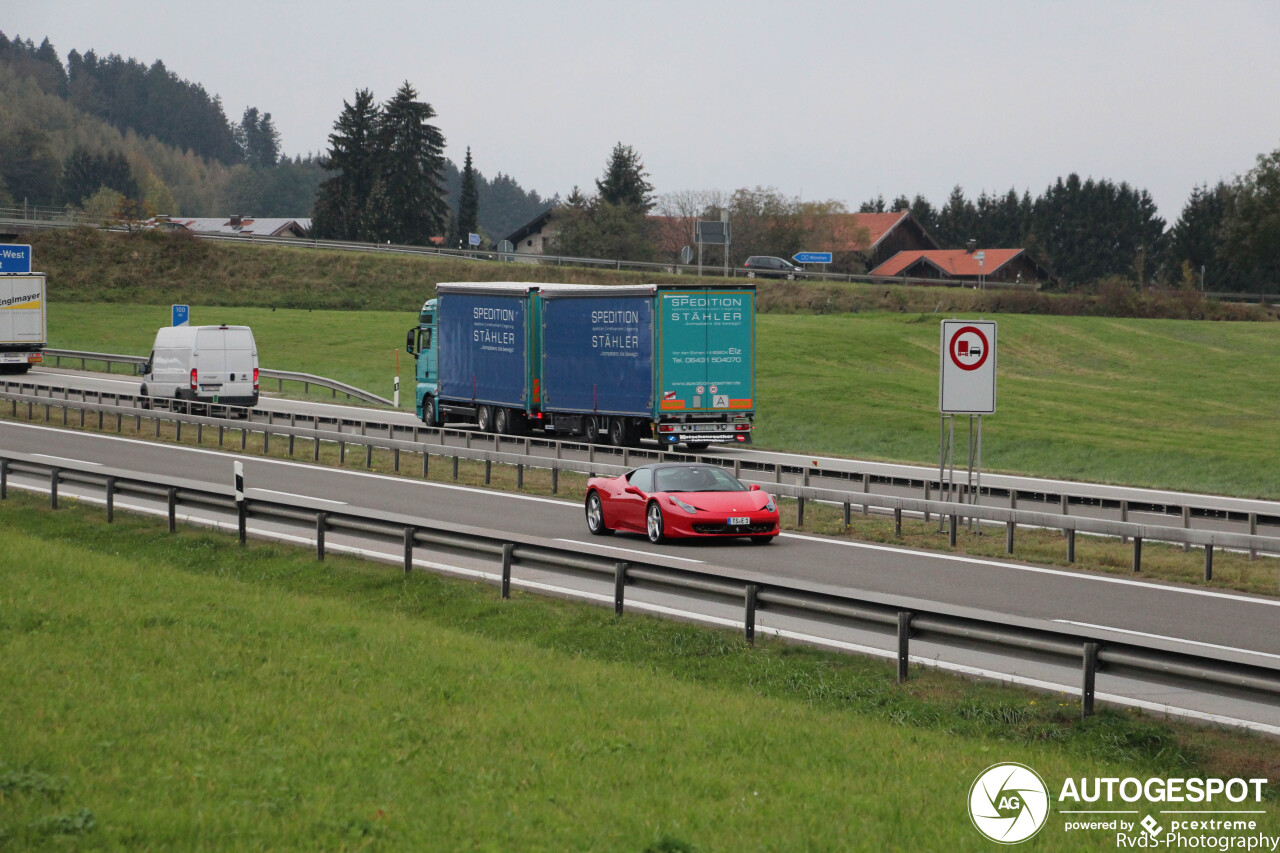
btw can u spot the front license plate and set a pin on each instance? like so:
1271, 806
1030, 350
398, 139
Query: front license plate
739, 520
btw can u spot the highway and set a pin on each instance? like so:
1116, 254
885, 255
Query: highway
1138, 505
1232, 626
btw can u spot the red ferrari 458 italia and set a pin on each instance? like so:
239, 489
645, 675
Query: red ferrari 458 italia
667, 500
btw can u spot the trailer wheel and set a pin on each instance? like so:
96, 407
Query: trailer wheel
502, 420
620, 433
484, 417
593, 429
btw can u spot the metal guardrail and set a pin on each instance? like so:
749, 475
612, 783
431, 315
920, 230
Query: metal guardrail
281, 376
951, 513
753, 591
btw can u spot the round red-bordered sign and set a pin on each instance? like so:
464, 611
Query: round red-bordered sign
986, 348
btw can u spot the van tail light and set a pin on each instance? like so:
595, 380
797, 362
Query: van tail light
194, 384
255, 379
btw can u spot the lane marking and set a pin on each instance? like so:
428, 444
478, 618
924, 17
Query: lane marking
977, 561
67, 459
693, 616
628, 550
889, 549
1165, 637
302, 497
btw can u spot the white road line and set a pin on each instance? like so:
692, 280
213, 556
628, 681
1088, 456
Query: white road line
1165, 637
629, 550
67, 459
302, 497
1080, 576
993, 675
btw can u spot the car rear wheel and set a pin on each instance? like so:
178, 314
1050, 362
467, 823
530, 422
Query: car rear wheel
653, 524
484, 417
595, 516
144, 398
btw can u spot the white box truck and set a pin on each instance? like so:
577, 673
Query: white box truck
210, 365
23, 327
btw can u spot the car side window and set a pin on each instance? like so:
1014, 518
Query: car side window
642, 479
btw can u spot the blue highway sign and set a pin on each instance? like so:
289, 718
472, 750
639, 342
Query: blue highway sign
812, 257
181, 315
15, 258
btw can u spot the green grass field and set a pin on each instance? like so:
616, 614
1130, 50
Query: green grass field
177, 692
1163, 403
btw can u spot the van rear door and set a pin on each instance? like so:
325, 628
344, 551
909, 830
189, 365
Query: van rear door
210, 361
240, 357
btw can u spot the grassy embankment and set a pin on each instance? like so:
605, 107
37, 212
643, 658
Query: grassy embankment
176, 692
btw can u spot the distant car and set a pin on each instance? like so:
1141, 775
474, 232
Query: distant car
766, 266
668, 500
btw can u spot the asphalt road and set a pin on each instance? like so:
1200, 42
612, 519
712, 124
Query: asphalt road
1228, 625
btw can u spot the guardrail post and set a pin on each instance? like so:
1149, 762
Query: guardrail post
173, 509
1124, 516
508, 551
1186, 524
241, 517
1008, 536
322, 521
1090, 666
455, 469
1137, 553
800, 511
928, 489
111, 499
1208, 562
425, 463
619, 583
368, 456
342, 453
200, 433
64, 411
904, 643
488, 470
179, 424
749, 619
866, 489
555, 481
315, 447
897, 521
519, 475
119, 422
395, 459
244, 437
157, 420
1065, 505
408, 549
951, 529
848, 510
4, 479
1253, 531
1071, 544
53, 487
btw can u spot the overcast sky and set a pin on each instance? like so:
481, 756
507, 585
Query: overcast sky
824, 100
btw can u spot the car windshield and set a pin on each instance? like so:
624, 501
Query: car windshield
696, 478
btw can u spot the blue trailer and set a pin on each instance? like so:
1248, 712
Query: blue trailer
610, 363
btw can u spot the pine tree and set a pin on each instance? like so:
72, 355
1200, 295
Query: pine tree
258, 139
411, 166
623, 182
467, 220
341, 199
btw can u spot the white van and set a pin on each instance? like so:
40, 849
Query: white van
206, 364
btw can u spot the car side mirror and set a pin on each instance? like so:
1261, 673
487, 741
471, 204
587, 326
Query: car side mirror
144, 368
754, 487
408, 341
632, 490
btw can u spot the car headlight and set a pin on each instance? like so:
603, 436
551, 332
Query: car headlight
770, 506
684, 506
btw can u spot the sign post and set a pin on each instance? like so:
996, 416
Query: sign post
966, 386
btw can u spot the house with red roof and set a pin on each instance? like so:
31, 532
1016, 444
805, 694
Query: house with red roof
877, 237
1000, 265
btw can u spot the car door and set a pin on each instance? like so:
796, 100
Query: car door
630, 508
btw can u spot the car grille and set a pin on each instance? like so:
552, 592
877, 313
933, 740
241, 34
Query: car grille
758, 527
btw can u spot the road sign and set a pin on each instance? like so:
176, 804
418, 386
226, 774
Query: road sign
181, 315
812, 257
686, 255
967, 378
473, 239
713, 233
15, 258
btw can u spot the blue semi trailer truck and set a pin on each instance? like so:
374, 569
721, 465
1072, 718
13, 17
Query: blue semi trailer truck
612, 364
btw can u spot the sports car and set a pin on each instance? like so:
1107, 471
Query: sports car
667, 500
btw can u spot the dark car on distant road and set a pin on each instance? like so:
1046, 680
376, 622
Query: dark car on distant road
765, 266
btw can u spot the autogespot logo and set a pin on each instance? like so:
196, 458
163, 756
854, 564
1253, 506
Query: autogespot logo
1008, 803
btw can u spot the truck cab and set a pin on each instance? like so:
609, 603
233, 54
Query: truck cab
421, 343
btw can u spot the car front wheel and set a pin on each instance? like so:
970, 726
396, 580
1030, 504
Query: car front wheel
653, 524
595, 516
